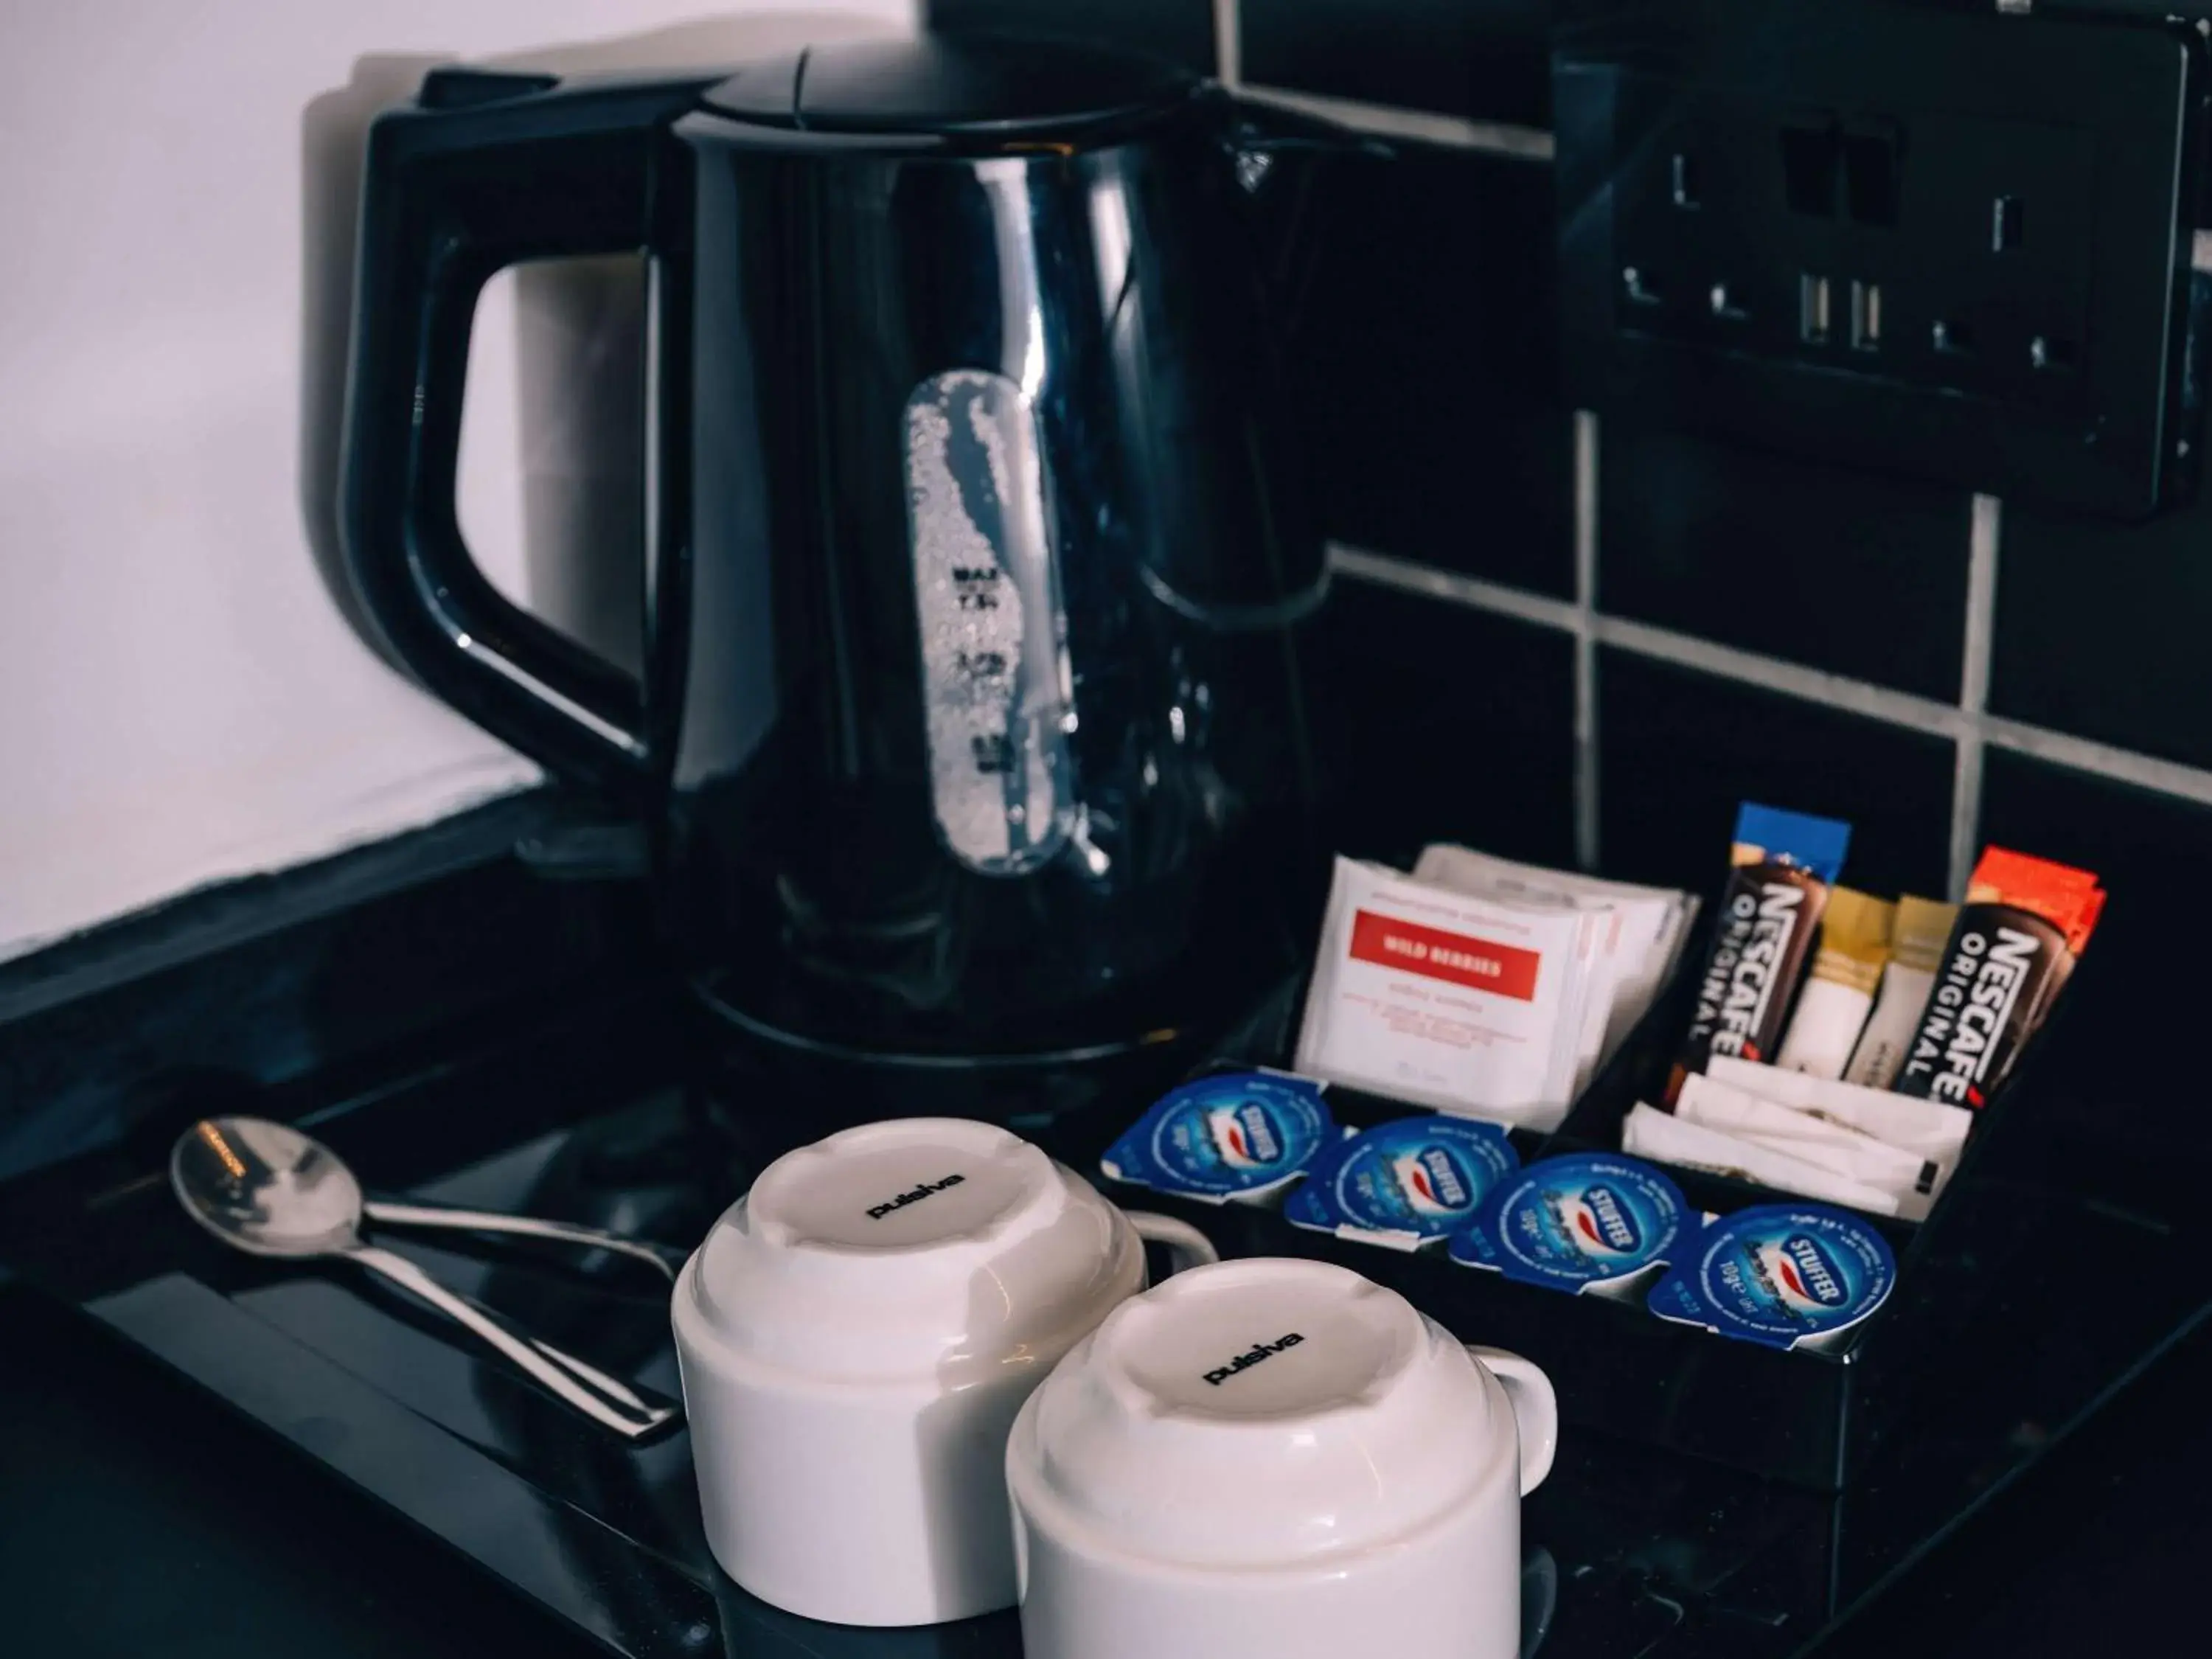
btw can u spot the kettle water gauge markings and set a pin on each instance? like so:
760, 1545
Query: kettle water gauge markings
995, 678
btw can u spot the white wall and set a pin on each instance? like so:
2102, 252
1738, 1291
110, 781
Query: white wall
179, 700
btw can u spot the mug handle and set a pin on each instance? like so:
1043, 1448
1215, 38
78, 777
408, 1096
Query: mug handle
1536, 1410
1191, 1248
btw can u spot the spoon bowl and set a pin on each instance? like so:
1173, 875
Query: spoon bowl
269, 1190
266, 1189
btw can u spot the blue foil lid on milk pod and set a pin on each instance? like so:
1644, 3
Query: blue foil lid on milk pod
1404, 1182
1241, 1135
1781, 1274
1585, 1222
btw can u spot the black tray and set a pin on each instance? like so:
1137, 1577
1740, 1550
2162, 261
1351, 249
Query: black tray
608, 1112
1967, 1324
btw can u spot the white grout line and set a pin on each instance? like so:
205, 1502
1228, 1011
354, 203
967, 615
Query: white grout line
1411, 577
1984, 535
1793, 679
1585, 735
1228, 43
2102, 760
1816, 685
1389, 121
1837, 691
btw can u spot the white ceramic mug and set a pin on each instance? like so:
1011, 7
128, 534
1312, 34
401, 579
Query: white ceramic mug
855, 1336
1275, 1458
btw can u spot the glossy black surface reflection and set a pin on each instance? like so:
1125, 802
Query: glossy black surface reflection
2128, 1089
1444, 723
1488, 62
971, 708
1426, 366
1857, 572
1680, 749
2100, 628
607, 1113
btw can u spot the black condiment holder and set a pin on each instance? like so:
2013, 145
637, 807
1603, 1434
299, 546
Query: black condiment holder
1810, 1417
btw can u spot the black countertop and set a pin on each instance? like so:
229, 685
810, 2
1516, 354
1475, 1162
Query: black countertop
201, 1454
143, 1513
140, 1517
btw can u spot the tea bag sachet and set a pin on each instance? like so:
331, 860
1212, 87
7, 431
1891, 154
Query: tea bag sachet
1452, 1000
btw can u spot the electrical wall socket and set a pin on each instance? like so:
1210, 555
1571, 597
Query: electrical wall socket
1950, 245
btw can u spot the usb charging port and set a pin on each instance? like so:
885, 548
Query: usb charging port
1682, 176
2008, 224
1954, 339
1866, 316
1812, 309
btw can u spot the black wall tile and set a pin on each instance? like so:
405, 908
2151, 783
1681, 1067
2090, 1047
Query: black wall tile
1180, 29
1423, 348
1679, 750
2125, 1058
1485, 59
2102, 628
1439, 723
1853, 572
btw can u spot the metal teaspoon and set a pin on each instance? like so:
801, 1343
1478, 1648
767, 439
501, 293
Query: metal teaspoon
269, 1190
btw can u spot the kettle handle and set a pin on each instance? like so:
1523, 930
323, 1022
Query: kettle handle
482, 172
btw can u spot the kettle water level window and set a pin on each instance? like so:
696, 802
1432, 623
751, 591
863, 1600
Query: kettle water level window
996, 676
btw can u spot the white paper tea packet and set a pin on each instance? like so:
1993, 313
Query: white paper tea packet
1926, 1128
1653, 922
1650, 1133
1604, 974
1912, 1180
1450, 1000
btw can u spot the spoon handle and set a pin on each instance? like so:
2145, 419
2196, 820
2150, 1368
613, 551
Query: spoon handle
564, 1379
392, 1214
654, 1410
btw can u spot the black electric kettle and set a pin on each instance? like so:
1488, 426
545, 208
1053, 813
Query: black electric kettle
970, 723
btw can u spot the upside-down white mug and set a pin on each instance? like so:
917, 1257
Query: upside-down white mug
855, 1336
1275, 1458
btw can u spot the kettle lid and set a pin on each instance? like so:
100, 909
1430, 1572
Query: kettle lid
979, 85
